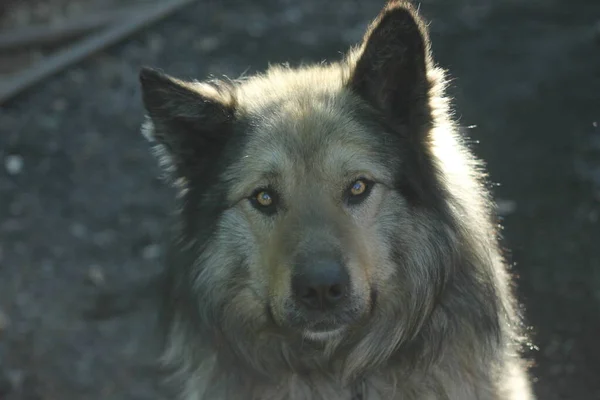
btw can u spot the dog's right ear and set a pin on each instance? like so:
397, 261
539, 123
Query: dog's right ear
189, 122
389, 68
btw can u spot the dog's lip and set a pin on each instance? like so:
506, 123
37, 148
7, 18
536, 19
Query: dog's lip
322, 335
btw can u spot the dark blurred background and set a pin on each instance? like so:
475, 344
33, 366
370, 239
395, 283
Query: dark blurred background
82, 212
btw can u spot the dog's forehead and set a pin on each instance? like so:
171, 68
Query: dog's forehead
304, 126
315, 136
300, 109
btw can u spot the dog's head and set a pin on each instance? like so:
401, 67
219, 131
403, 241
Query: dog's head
311, 203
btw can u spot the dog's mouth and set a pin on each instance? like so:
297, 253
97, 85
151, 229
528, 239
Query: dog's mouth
318, 326
323, 330
323, 335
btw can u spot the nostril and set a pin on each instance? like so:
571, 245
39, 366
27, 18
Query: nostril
322, 296
335, 292
311, 297
310, 293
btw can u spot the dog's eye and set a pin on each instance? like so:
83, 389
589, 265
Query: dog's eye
264, 200
358, 191
358, 188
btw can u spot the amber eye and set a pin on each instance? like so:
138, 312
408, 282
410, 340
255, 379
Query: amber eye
358, 188
358, 191
264, 200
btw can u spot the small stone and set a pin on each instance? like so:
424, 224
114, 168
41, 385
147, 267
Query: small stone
505, 207
151, 252
78, 230
96, 276
14, 164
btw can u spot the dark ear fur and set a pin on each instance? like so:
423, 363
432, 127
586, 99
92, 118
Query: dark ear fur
189, 122
390, 67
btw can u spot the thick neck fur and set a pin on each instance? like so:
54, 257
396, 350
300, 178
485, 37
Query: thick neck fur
453, 372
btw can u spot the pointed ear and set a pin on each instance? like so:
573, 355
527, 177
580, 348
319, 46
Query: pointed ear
188, 122
389, 69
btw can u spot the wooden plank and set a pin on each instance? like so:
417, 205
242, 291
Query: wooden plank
50, 34
85, 47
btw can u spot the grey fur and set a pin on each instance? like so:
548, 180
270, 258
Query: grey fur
432, 314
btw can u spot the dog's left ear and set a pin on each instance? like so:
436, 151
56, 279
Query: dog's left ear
389, 69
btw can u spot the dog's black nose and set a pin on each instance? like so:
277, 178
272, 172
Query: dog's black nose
320, 284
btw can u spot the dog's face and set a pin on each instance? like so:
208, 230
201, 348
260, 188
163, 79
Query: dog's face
317, 181
313, 194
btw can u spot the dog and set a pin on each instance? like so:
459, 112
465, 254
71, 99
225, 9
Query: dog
334, 238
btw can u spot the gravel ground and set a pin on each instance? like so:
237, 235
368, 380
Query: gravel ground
82, 212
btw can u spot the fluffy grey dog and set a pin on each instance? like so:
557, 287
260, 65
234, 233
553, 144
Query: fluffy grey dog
335, 239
